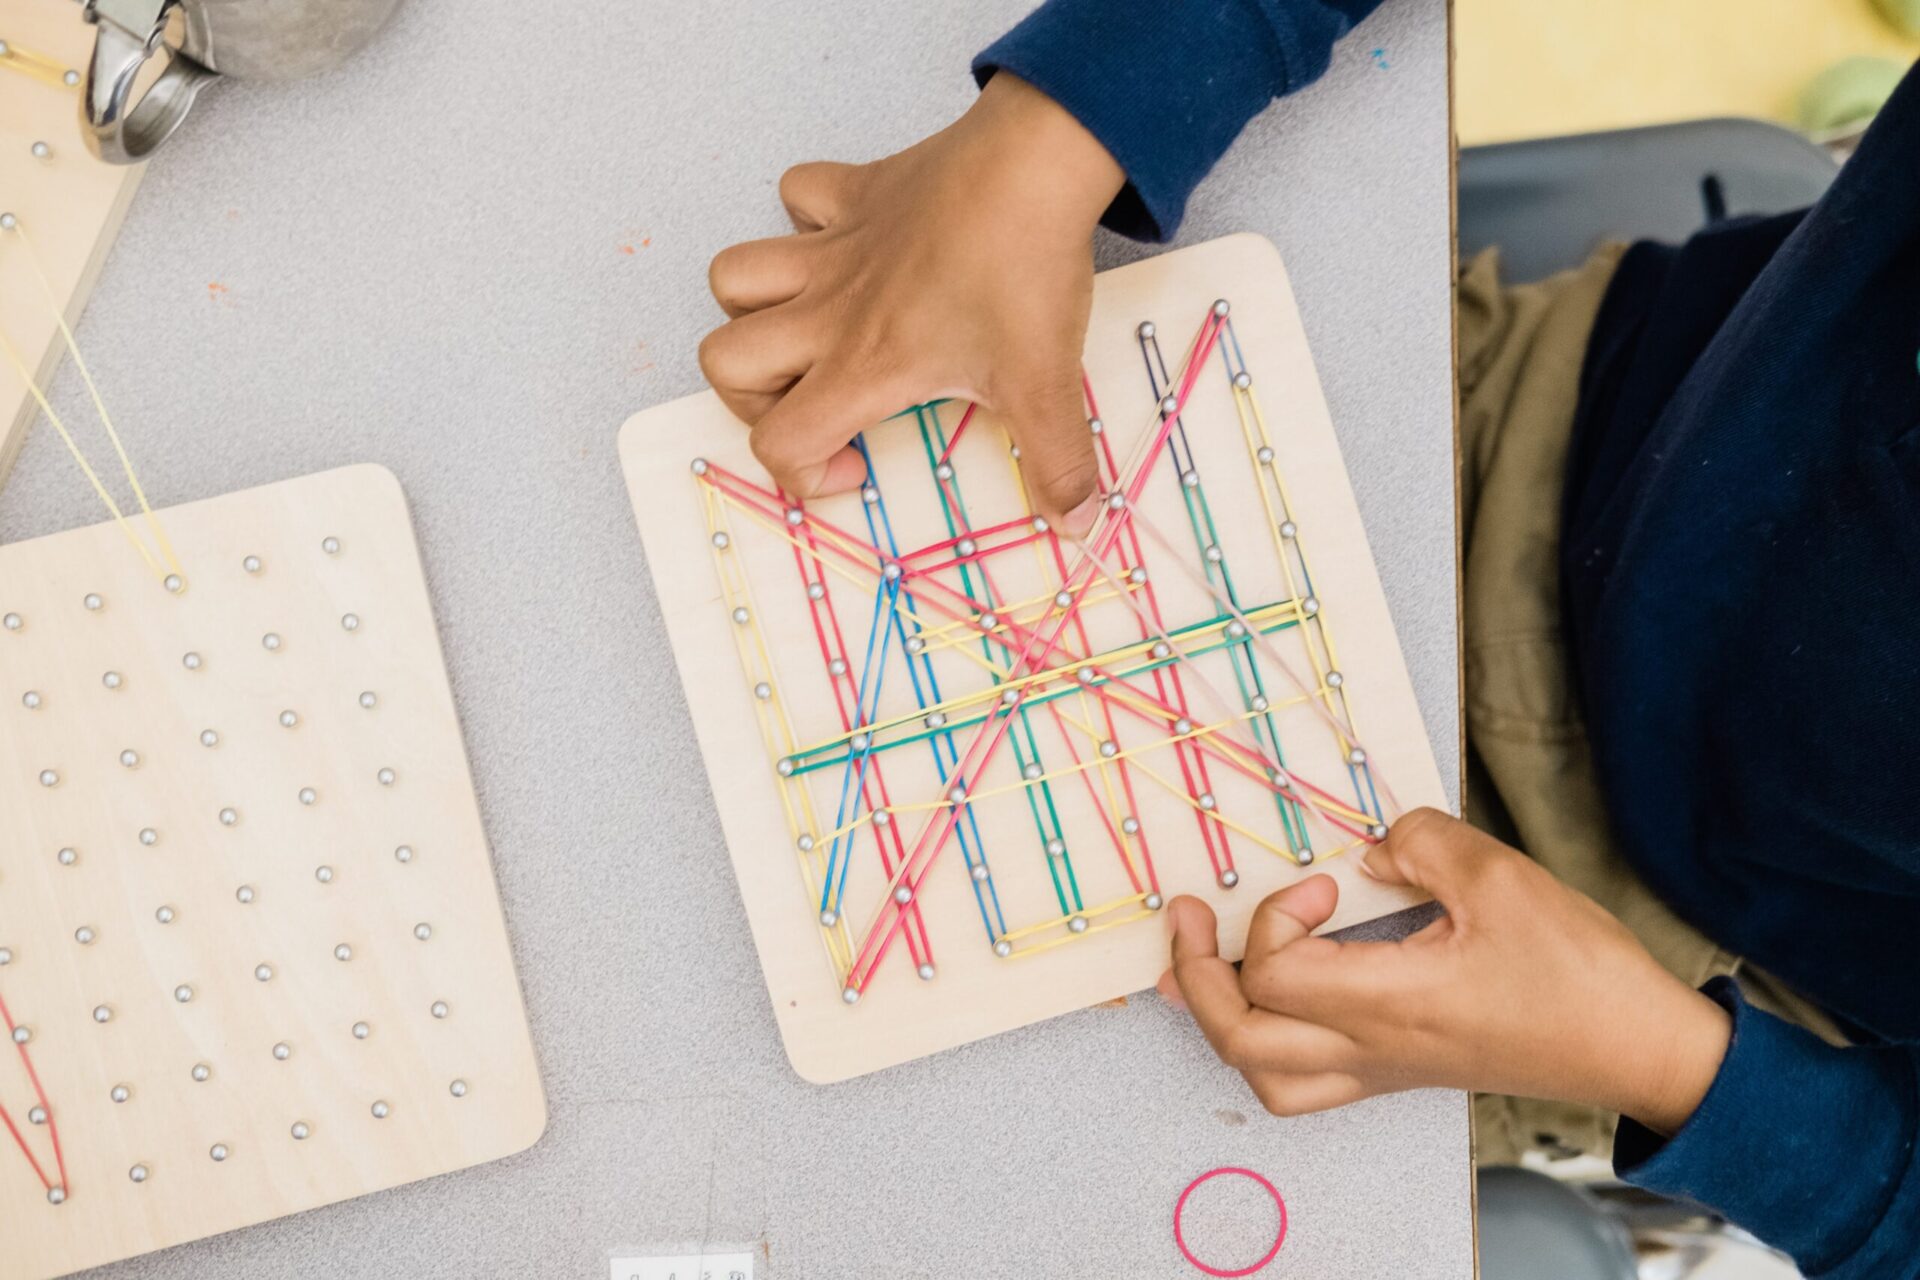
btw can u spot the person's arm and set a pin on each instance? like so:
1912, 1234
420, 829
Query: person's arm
962, 267
1809, 1147
1167, 87
1527, 987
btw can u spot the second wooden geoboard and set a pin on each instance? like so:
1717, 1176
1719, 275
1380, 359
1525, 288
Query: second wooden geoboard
962, 763
252, 957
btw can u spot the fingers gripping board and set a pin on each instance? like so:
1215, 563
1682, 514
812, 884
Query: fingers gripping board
253, 955
963, 763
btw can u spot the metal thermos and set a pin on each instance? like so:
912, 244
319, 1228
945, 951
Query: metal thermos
248, 39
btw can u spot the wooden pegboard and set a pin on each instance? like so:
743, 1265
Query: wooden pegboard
254, 825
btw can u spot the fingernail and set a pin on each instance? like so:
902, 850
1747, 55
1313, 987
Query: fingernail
1367, 870
1079, 521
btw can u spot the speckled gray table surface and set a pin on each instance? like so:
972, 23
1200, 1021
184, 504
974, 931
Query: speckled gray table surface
470, 256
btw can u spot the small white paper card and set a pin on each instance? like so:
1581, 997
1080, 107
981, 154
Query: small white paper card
684, 1266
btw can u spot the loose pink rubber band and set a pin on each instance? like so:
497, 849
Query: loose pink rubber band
1180, 1240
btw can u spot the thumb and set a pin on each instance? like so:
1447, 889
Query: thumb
1434, 851
1046, 415
1286, 917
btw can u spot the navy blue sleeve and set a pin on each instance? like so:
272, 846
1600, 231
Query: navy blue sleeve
1167, 85
1809, 1147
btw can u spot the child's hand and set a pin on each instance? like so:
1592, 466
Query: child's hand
961, 267
1525, 987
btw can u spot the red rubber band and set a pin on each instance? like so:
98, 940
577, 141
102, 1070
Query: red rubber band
1180, 1240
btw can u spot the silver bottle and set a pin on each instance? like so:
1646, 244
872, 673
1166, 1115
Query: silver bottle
249, 39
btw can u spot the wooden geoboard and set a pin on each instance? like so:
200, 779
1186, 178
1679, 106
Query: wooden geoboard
69, 203
260, 960
959, 765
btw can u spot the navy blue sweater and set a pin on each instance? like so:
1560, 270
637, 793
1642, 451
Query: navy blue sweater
1741, 567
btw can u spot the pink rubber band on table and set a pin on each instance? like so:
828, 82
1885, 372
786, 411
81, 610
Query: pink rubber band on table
1278, 1240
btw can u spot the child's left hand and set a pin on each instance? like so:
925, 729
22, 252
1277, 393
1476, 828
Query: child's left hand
1524, 987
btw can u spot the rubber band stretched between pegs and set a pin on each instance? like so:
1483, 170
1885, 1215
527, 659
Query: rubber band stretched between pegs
37, 66
159, 563
1279, 1239
825, 550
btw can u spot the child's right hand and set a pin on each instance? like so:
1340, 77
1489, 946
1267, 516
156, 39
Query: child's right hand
960, 268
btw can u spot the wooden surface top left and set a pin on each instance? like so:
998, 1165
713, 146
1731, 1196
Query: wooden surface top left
69, 204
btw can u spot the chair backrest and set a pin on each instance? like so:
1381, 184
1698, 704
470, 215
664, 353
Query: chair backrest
1548, 202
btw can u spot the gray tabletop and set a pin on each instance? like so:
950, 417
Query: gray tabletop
470, 256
